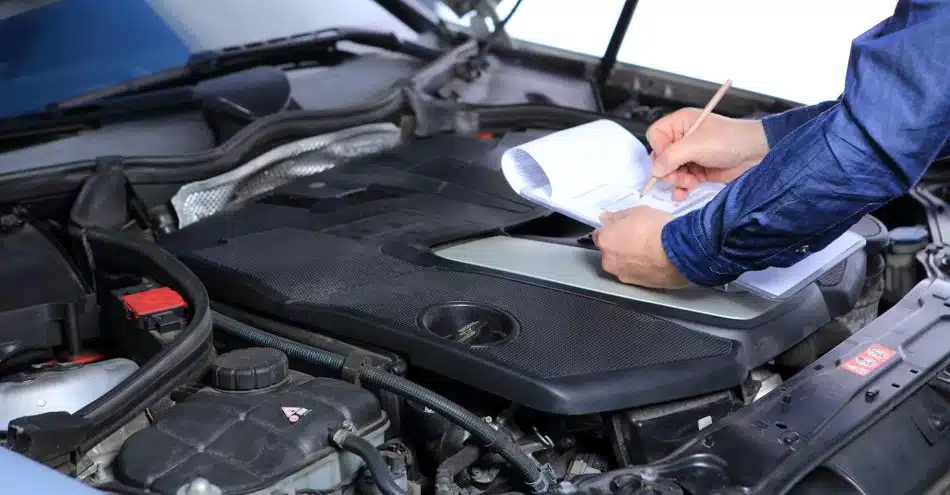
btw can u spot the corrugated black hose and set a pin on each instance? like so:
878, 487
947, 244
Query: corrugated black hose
536, 476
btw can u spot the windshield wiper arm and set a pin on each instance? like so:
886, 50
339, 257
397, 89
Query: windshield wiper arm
174, 89
290, 49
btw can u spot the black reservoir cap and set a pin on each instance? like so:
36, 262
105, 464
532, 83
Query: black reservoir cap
253, 368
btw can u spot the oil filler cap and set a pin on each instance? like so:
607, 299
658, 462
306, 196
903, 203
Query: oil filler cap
249, 369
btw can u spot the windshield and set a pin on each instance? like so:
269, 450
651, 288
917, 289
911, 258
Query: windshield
793, 50
65, 48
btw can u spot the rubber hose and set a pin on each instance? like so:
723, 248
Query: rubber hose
257, 336
371, 458
190, 353
492, 438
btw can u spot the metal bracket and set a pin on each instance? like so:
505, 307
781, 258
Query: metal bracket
434, 116
545, 481
353, 366
485, 22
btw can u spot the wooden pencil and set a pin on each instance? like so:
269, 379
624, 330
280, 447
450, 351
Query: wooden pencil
699, 120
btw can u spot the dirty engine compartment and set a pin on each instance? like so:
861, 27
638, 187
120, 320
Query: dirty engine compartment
352, 300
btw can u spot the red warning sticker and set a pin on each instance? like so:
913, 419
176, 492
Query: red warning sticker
869, 360
294, 413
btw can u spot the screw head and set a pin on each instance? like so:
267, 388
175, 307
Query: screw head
790, 438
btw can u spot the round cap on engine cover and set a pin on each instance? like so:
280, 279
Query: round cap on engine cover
249, 369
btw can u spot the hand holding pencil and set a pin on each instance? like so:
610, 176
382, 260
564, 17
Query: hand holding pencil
692, 146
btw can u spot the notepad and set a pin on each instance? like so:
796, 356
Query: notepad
585, 171
599, 167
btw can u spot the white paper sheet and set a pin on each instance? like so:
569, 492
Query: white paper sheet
598, 167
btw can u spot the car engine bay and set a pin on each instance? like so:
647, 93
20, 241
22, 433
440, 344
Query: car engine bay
354, 301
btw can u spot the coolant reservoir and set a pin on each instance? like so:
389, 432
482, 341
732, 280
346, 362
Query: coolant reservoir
66, 388
259, 429
900, 273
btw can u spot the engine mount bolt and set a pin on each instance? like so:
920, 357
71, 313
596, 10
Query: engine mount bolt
199, 486
790, 438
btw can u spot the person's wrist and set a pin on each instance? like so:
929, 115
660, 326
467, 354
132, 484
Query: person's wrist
752, 133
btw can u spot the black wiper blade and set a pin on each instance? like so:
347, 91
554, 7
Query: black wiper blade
277, 51
418, 16
173, 89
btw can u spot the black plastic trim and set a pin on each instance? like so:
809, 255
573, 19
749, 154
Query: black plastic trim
184, 359
68, 177
773, 444
419, 18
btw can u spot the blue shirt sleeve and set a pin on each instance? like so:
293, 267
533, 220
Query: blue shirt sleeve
874, 144
779, 125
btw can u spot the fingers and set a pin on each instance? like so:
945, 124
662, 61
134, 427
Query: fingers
670, 128
699, 172
609, 217
614, 265
610, 263
675, 156
660, 135
684, 178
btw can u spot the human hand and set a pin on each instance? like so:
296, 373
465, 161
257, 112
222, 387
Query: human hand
719, 150
633, 250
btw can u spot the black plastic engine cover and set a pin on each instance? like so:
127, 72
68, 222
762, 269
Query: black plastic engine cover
348, 253
245, 441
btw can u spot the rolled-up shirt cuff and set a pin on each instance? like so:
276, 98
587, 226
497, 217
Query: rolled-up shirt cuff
779, 125
687, 246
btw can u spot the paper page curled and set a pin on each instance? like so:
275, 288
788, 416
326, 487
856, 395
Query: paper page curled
579, 160
523, 172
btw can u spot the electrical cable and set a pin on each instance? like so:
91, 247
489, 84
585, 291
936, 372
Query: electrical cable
499, 29
511, 13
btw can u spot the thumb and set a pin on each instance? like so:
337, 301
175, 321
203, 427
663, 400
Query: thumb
675, 156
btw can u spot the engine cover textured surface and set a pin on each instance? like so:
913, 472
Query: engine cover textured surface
348, 253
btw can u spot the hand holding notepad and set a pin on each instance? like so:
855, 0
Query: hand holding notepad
591, 169
599, 167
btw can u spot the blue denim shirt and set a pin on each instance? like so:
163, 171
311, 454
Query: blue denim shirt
831, 163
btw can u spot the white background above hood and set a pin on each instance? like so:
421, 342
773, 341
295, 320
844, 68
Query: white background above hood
791, 49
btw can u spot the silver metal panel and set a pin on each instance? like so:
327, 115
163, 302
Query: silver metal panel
69, 390
580, 268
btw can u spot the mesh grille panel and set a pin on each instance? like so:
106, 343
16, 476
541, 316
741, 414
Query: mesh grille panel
833, 276
303, 265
